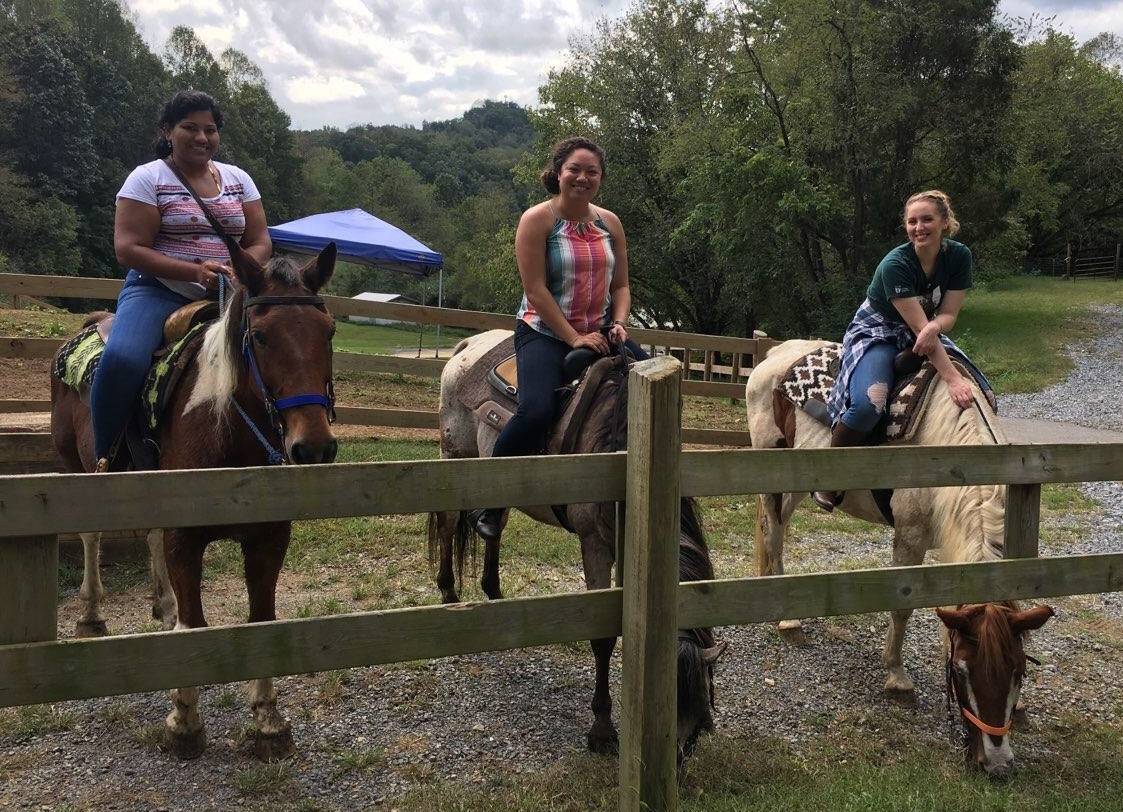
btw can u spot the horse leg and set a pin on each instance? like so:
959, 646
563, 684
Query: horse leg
163, 600
908, 550
442, 533
263, 548
184, 733
489, 582
597, 555
92, 593
774, 511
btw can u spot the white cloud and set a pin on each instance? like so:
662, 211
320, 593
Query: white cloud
322, 89
344, 62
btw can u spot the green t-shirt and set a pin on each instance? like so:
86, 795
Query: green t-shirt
899, 276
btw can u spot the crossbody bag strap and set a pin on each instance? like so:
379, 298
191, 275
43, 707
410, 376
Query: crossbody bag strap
231, 243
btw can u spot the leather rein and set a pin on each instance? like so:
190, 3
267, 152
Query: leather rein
274, 406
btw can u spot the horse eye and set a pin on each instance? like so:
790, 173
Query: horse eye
259, 337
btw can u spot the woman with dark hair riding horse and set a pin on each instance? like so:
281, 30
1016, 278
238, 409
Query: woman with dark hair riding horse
573, 262
173, 254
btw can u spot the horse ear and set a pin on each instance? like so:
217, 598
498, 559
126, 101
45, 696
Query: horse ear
1029, 619
249, 271
316, 274
959, 619
713, 653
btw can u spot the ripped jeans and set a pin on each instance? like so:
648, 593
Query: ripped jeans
870, 384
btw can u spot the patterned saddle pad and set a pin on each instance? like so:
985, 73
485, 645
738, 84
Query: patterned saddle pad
77, 360
808, 382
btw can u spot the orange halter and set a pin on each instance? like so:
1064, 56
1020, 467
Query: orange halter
983, 726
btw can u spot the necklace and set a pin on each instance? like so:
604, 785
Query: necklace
210, 168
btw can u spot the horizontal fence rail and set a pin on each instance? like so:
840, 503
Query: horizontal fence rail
78, 669
50, 503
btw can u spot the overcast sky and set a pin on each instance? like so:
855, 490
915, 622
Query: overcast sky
344, 62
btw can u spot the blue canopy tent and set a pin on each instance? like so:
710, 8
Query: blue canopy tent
363, 238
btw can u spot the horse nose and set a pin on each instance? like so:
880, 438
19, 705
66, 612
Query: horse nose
1000, 772
307, 453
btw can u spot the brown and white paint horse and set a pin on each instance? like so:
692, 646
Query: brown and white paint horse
275, 314
604, 429
961, 524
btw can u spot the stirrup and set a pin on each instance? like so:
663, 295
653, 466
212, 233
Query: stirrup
827, 500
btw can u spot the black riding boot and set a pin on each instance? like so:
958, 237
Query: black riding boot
841, 437
488, 522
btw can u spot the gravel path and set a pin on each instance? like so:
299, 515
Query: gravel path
367, 736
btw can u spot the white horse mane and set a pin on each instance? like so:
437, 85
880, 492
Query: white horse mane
968, 521
218, 370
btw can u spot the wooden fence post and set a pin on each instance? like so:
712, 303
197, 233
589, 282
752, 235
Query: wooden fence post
1023, 516
29, 599
648, 729
1118, 256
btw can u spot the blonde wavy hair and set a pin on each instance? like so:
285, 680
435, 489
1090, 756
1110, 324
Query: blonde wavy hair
943, 206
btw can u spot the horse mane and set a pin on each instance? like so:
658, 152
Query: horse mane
995, 650
968, 520
219, 361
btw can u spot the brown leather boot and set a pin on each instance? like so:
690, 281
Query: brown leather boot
841, 437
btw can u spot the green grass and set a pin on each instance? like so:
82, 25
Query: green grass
1016, 332
266, 779
31, 721
388, 339
847, 770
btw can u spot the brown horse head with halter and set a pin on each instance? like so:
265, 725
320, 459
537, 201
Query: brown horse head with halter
985, 667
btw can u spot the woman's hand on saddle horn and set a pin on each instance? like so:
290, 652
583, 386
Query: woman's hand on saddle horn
593, 341
928, 339
618, 333
961, 392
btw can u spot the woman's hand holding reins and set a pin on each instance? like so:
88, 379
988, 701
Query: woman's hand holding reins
928, 338
593, 341
209, 272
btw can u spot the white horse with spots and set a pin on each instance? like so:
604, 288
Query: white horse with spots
960, 524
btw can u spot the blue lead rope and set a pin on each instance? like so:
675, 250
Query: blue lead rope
275, 456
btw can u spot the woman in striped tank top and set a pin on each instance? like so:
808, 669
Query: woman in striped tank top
573, 263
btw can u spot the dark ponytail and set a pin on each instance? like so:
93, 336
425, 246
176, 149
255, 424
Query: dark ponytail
179, 107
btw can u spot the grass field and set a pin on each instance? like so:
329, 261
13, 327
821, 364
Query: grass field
388, 339
1016, 332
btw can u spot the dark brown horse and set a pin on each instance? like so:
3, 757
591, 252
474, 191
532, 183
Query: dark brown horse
986, 663
604, 429
258, 391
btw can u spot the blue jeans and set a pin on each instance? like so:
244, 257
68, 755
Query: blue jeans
540, 373
873, 372
138, 331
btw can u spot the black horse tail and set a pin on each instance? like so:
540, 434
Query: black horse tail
464, 543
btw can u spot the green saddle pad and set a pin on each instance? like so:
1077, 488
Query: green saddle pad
77, 360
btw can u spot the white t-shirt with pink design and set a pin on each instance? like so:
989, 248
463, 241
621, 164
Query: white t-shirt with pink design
185, 233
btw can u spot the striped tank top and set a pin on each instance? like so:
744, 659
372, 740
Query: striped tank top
580, 262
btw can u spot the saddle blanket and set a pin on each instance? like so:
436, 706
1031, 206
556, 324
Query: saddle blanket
808, 382
77, 360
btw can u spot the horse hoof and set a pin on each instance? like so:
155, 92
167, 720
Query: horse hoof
90, 628
901, 696
604, 743
274, 746
185, 746
495, 594
450, 597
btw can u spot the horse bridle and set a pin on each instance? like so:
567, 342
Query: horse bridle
274, 406
953, 690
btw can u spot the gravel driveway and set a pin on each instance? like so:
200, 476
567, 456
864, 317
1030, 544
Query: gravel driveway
367, 736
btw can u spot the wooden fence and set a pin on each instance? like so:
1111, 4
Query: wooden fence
742, 353
647, 609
